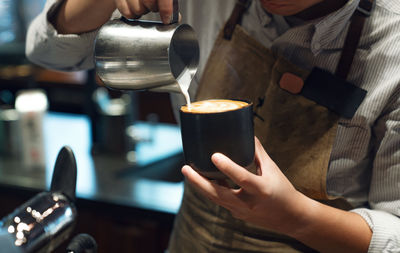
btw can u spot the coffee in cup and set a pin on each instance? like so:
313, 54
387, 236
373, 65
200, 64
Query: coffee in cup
217, 125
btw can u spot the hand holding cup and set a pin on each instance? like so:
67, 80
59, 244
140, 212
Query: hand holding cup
220, 125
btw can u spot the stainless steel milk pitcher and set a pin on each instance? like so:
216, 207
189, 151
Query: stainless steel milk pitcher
137, 55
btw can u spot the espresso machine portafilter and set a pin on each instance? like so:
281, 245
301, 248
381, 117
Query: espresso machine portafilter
45, 221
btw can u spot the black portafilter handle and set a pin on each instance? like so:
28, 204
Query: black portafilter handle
82, 243
64, 174
45, 221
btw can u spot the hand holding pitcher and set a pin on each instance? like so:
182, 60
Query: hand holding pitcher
135, 8
77, 17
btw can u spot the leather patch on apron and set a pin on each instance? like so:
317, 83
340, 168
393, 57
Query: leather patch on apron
291, 83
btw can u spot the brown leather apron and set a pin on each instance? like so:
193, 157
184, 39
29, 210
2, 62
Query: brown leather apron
297, 133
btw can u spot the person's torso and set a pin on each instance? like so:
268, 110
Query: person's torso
319, 43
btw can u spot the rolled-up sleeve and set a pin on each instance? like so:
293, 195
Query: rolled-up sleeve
47, 48
385, 230
383, 217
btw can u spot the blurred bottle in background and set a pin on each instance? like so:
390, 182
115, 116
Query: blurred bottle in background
32, 106
10, 134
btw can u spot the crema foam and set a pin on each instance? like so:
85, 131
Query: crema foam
214, 106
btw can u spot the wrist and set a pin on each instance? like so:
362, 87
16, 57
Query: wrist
76, 17
305, 214
329, 229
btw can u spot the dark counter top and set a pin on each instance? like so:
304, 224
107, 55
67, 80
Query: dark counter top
153, 184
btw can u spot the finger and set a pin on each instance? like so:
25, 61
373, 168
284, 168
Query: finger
258, 156
259, 149
237, 173
123, 7
165, 7
151, 5
262, 158
220, 195
136, 7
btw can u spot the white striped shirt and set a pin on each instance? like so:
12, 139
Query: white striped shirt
365, 161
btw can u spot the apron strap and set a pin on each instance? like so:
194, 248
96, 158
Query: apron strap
236, 17
363, 11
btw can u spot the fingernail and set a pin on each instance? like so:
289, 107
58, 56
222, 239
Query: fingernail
185, 169
166, 19
217, 157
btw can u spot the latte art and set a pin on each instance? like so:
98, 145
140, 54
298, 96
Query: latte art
214, 106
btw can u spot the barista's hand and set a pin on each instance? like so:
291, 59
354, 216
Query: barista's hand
270, 200
76, 16
267, 199
137, 8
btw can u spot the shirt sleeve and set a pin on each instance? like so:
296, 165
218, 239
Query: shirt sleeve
385, 230
66, 52
383, 217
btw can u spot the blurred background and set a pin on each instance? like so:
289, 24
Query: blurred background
15, 16
16, 72
127, 144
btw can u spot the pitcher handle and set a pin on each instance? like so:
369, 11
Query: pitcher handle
175, 13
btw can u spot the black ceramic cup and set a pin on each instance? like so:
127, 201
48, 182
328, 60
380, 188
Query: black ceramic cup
229, 132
